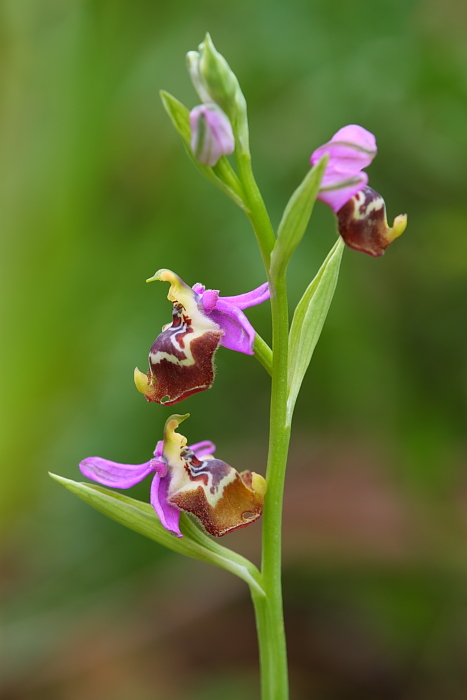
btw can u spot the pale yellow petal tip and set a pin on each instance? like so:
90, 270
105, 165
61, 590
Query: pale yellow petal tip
174, 421
141, 381
398, 227
178, 288
258, 484
173, 440
163, 276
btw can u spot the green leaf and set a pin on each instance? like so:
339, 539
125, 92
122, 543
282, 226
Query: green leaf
308, 321
222, 174
141, 517
296, 217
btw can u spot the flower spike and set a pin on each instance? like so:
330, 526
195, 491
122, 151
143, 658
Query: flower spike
181, 359
189, 479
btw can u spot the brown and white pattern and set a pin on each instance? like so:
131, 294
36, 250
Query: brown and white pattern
363, 226
213, 491
181, 357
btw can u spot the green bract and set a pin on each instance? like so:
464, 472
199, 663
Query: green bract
219, 80
295, 218
141, 517
308, 321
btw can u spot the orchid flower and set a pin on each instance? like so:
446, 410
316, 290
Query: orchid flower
188, 479
361, 211
181, 357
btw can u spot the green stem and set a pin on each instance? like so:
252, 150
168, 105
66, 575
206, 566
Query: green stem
257, 213
267, 646
268, 609
279, 437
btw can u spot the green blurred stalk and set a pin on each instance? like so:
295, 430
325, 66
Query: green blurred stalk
268, 608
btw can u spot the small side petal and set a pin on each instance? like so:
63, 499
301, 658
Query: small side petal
120, 476
209, 300
159, 449
253, 298
167, 513
203, 449
239, 334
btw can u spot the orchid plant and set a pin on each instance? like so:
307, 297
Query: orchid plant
190, 481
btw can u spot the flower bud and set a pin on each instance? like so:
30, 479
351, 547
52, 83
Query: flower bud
211, 134
363, 225
217, 77
192, 62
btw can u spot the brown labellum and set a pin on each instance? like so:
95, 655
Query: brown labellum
237, 506
181, 359
363, 226
171, 378
210, 489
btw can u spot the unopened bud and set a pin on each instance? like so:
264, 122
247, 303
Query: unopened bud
216, 77
211, 134
192, 62
363, 225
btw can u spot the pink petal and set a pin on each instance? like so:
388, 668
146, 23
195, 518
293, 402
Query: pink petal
350, 150
239, 334
159, 449
253, 298
211, 134
203, 449
337, 198
198, 288
209, 300
120, 476
168, 514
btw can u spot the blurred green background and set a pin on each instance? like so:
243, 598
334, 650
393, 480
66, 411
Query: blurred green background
96, 194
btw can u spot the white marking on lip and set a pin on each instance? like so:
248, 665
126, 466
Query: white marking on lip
181, 482
212, 498
374, 205
156, 357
